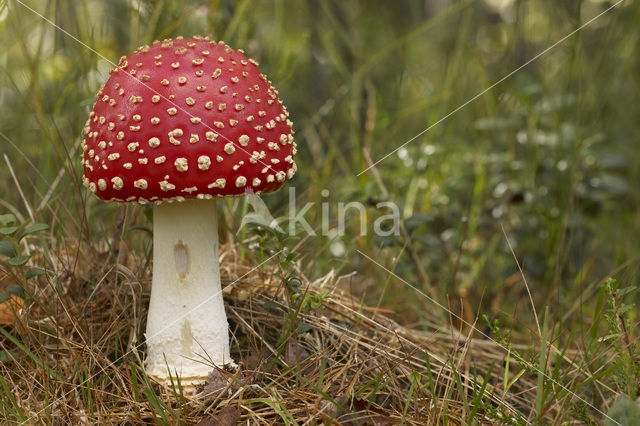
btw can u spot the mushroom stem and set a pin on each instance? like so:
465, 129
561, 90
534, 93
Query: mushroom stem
187, 328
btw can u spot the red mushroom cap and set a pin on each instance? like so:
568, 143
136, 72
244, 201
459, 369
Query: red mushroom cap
186, 118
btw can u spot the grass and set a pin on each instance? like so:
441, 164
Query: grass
353, 362
519, 215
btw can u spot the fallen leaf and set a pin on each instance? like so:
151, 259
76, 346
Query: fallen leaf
256, 358
364, 413
217, 381
10, 309
226, 416
298, 355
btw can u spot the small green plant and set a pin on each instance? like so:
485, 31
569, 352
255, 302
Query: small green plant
623, 412
14, 256
273, 242
530, 363
618, 317
500, 336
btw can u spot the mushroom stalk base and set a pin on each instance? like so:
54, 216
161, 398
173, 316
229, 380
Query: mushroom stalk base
187, 328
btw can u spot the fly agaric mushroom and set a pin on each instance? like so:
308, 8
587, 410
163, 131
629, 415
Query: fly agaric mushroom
178, 124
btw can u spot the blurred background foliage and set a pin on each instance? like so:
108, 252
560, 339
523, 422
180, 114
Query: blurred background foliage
547, 160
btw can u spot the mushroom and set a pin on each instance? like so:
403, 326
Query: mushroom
178, 124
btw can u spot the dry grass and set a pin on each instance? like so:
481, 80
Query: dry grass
75, 355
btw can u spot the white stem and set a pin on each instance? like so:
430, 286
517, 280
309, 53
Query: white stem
186, 327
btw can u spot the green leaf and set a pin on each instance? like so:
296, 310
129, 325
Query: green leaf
16, 290
315, 303
284, 265
18, 260
257, 219
624, 291
625, 308
34, 272
7, 249
303, 327
293, 284
32, 229
268, 245
7, 219
4, 297
9, 230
